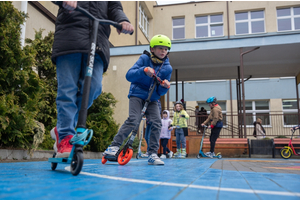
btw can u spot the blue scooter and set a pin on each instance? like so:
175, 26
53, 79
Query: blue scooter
201, 153
80, 138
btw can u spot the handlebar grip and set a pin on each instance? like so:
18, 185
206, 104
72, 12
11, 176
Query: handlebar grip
146, 69
164, 83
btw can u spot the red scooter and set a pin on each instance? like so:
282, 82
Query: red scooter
289, 150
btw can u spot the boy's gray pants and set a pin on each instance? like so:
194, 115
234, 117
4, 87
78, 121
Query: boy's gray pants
152, 114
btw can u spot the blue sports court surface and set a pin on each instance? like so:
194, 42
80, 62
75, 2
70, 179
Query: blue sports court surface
177, 179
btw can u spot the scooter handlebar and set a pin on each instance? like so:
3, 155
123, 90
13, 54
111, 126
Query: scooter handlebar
89, 15
155, 76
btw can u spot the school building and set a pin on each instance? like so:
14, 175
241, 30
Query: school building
244, 53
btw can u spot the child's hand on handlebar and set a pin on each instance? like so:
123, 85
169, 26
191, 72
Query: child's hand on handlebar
149, 71
69, 5
165, 83
127, 28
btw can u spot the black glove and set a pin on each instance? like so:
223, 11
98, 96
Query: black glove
182, 116
170, 126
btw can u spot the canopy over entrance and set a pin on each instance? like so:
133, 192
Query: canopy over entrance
278, 56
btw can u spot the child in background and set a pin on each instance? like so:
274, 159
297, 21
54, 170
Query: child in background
141, 81
165, 134
179, 120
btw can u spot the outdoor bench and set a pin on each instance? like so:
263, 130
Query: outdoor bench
279, 143
229, 143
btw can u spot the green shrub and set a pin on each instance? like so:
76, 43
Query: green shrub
101, 121
19, 84
281, 136
47, 76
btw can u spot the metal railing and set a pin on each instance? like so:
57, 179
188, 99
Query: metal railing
275, 124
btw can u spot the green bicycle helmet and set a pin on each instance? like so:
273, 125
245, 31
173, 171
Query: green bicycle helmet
160, 40
212, 99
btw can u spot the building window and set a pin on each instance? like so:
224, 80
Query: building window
249, 22
144, 22
290, 112
288, 19
178, 28
209, 26
257, 109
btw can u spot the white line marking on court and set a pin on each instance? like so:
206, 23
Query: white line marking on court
190, 186
111, 163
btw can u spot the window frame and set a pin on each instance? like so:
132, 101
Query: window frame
209, 24
178, 26
288, 111
292, 17
142, 19
254, 113
249, 20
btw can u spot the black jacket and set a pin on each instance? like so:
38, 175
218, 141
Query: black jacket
73, 30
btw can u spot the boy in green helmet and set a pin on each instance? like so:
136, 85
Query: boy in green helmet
156, 63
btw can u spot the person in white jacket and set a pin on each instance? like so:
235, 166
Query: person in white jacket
165, 134
260, 131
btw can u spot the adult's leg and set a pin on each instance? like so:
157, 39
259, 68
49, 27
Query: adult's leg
147, 134
135, 107
153, 115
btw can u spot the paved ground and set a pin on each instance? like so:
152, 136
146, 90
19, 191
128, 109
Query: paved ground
177, 179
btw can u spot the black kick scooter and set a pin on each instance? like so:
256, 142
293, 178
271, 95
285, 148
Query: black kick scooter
124, 155
79, 139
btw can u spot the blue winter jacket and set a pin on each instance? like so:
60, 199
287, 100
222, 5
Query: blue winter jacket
140, 82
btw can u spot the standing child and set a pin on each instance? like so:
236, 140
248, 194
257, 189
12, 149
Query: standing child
215, 119
141, 81
165, 134
179, 120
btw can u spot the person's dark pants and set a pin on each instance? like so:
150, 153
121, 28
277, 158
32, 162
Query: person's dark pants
215, 132
164, 142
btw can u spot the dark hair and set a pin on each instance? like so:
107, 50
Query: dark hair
165, 112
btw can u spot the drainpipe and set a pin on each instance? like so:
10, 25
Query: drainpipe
231, 109
176, 79
23, 26
243, 86
297, 94
228, 31
136, 21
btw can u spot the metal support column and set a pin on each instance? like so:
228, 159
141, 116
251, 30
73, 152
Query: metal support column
243, 87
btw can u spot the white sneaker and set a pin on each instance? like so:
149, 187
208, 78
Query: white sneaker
163, 156
170, 154
111, 150
209, 154
145, 155
155, 160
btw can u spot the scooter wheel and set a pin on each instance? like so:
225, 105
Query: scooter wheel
219, 156
103, 160
76, 163
124, 159
285, 153
137, 156
53, 165
198, 156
